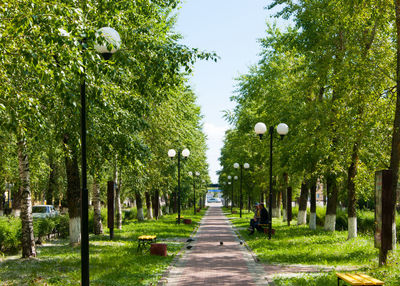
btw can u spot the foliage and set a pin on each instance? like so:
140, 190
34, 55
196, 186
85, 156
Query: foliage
10, 234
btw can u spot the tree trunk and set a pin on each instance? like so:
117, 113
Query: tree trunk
302, 216
278, 204
167, 203
313, 206
117, 199
289, 205
175, 204
97, 225
139, 206
52, 181
148, 205
284, 196
155, 203
274, 204
27, 237
351, 188
332, 190
262, 197
395, 152
73, 194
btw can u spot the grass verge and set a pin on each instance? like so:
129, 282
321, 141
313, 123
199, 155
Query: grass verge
115, 262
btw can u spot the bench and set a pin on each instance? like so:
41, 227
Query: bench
358, 279
265, 228
144, 240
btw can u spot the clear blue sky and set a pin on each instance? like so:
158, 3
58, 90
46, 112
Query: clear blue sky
231, 29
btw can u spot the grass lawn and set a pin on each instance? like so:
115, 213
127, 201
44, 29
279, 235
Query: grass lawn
111, 262
300, 245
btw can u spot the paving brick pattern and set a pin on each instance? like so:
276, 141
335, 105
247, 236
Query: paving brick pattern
209, 263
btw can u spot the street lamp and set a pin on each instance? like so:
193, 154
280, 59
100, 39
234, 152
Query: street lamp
236, 166
282, 129
110, 42
185, 153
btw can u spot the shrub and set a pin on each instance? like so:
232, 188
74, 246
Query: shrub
129, 214
43, 227
10, 234
62, 225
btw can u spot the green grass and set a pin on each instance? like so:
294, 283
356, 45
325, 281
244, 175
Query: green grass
111, 262
300, 245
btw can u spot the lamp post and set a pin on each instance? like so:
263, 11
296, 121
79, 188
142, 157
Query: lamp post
230, 183
185, 153
282, 129
110, 38
236, 166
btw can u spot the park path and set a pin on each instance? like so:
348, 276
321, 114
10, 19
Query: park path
209, 263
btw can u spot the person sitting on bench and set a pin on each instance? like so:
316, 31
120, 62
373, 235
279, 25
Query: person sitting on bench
256, 219
264, 218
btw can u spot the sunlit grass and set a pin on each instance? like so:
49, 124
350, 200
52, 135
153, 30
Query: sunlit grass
114, 262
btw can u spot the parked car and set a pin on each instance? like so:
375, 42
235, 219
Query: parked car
213, 200
44, 211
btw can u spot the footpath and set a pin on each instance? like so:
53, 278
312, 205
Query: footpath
209, 262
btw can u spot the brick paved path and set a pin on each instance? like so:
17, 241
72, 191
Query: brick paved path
209, 263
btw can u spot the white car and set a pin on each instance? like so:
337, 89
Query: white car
213, 200
44, 211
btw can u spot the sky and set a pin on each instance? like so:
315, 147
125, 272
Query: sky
230, 28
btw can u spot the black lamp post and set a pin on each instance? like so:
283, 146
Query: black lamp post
236, 166
282, 129
112, 39
185, 153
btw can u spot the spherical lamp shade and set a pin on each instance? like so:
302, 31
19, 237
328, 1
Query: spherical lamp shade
260, 128
229, 183
229, 177
110, 41
190, 174
236, 165
246, 165
203, 181
197, 174
236, 177
185, 153
282, 129
171, 153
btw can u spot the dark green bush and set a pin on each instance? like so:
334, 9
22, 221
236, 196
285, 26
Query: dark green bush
43, 227
10, 234
129, 214
62, 225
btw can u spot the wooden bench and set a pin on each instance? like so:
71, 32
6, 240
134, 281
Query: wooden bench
265, 228
144, 240
358, 279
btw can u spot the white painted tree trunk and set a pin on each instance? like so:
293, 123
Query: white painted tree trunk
149, 213
313, 221
140, 215
284, 215
302, 218
159, 207
75, 230
16, 212
330, 222
352, 227
276, 212
1, 212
